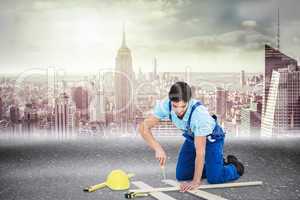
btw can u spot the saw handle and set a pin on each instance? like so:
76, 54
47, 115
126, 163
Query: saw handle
131, 195
93, 188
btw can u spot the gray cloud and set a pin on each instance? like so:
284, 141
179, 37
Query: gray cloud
170, 27
243, 40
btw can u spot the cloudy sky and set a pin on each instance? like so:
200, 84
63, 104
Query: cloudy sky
84, 35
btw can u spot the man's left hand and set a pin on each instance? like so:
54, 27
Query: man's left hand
192, 185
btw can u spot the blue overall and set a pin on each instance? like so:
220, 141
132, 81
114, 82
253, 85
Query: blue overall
214, 169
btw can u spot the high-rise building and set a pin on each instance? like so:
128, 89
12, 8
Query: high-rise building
282, 112
274, 60
30, 118
124, 80
64, 114
1, 108
154, 69
14, 114
98, 105
187, 74
243, 78
81, 99
229, 105
53, 78
221, 101
251, 118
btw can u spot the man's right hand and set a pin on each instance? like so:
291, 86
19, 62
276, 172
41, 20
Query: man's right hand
145, 131
161, 156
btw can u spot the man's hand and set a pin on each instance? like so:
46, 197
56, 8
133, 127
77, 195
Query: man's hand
161, 156
192, 185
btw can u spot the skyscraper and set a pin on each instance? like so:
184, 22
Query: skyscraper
251, 118
243, 79
124, 80
54, 76
282, 112
81, 99
187, 74
14, 113
97, 107
64, 112
1, 108
274, 60
154, 69
30, 117
221, 101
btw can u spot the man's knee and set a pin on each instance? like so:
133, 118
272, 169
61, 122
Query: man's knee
214, 179
183, 176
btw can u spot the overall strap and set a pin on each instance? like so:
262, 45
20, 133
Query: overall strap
170, 109
198, 103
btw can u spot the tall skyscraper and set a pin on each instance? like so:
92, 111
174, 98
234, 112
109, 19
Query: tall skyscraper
243, 78
14, 114
154, 68
81, 99
124, 80
187, 74
30, 118
221, 101
282, 112
64, 114
54, 76
1, 108
251, 117
98, 105
274, 60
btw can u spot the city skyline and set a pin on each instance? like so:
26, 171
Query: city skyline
84, 36
122, 95
92, 107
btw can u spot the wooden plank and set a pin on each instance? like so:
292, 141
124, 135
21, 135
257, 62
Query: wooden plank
197, 193
209, 186
157, 195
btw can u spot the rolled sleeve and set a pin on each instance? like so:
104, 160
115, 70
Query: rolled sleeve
202, 124
161, 109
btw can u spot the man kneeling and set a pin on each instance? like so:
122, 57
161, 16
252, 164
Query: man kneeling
201, 154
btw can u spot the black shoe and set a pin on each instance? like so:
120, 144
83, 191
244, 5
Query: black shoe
239, 166
231, 159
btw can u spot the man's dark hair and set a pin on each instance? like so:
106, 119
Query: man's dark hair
180, 91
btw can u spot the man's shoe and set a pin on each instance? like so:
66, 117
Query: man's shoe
231, 159
239, 166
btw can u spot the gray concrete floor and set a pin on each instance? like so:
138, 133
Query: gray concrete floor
60, 169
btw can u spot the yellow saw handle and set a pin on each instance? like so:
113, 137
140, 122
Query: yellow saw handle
93, 188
